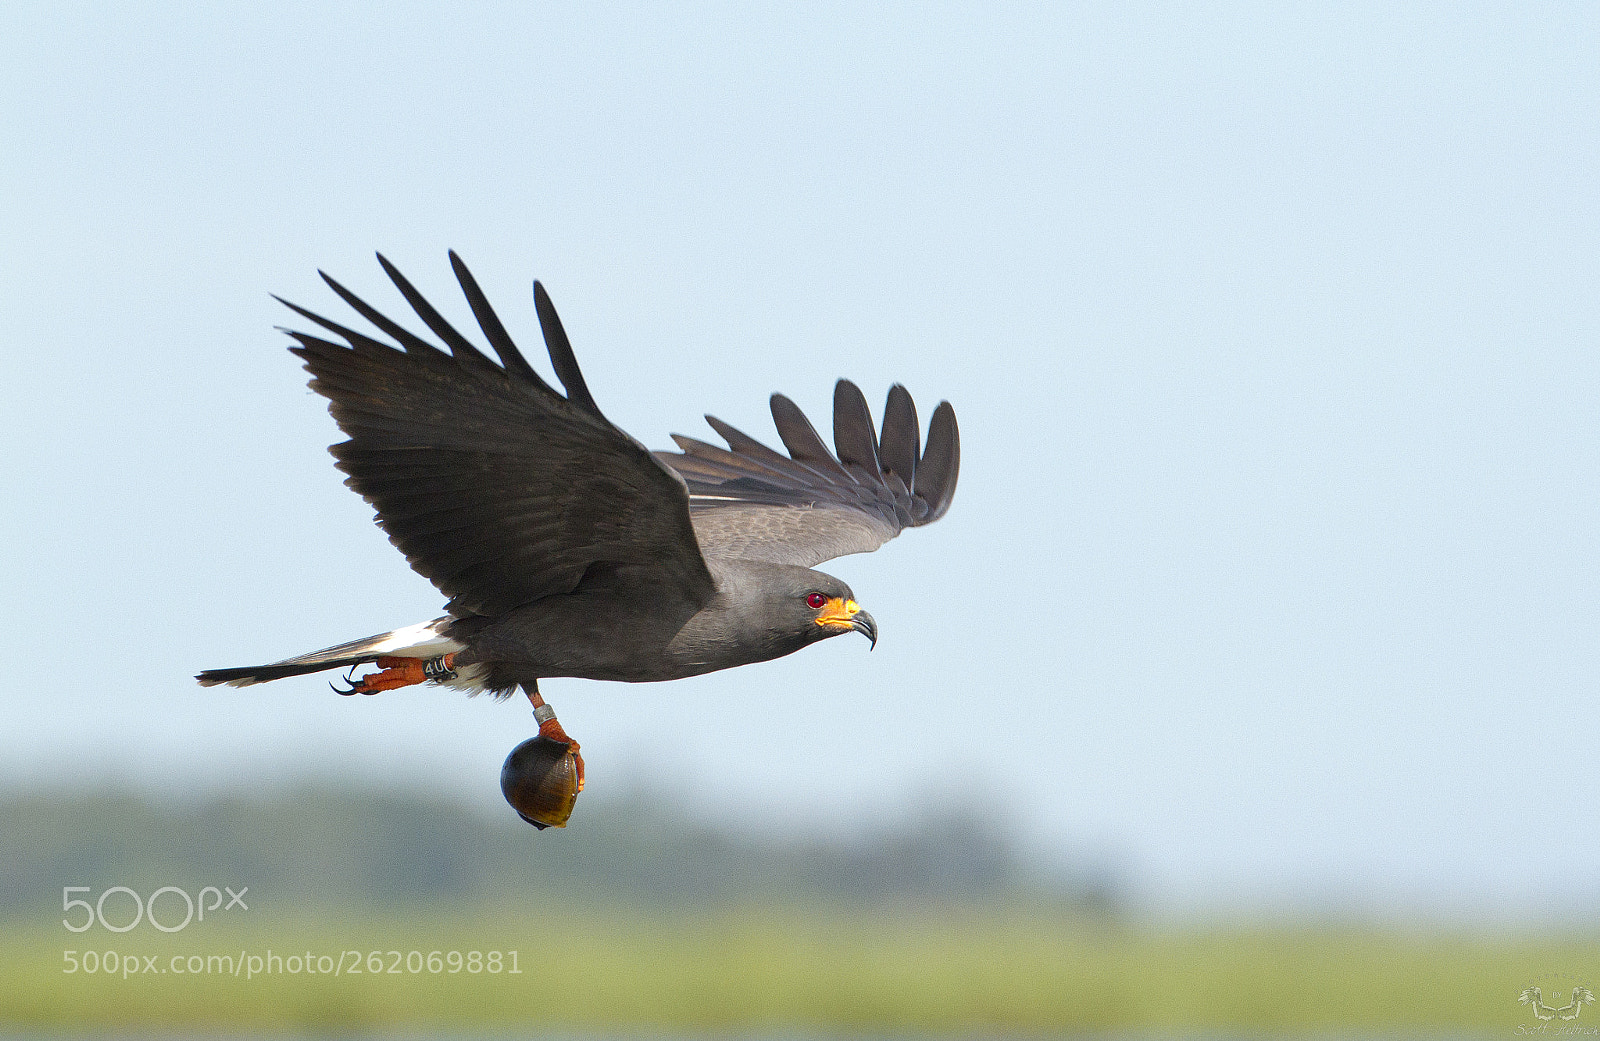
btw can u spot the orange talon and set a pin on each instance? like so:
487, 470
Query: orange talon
397, 672
551, 729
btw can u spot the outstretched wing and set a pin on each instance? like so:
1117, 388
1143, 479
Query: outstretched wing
497, 489
749, 501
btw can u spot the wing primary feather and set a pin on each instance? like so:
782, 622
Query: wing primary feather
560, 348
798, 435
898, 447
748, 447
710, 455
355, 338
941, 462
403, 336
492, 327
801, 438
744, 444
813, 505
853, 433
825, 475
459, 345
727, 465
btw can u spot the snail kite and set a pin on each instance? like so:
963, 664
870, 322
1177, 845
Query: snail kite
569, 549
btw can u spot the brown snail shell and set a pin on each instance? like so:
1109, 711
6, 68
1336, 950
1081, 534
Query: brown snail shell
540, 781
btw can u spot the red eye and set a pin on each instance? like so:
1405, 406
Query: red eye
815, 601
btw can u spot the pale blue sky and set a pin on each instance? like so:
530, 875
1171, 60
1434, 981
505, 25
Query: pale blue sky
1272, 333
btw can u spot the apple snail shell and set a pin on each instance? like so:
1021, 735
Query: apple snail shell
540, 781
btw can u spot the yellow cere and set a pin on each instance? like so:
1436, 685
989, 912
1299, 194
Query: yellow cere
838, 612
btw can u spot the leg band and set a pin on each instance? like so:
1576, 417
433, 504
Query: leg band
440, 668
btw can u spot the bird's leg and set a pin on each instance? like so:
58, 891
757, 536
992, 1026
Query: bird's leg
403, 672
550, 727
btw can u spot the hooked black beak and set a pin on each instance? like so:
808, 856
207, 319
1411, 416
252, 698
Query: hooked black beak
839, 614
862, 623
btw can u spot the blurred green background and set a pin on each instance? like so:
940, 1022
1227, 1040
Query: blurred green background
370, 912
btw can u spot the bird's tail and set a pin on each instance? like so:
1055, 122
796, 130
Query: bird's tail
424, 640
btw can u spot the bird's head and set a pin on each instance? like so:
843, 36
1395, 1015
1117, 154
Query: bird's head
826, 606
784, 607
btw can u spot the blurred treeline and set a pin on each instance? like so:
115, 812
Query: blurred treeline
340, 845
644, 918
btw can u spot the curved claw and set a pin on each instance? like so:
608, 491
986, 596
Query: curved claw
350, 679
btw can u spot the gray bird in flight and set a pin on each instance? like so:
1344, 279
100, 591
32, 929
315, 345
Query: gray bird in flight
565, 547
